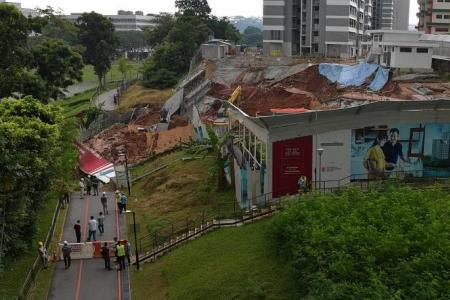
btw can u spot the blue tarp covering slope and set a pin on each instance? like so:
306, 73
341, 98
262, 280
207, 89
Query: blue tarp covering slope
380, 80
345, 75
355, 75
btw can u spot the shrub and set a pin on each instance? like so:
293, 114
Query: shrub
368, 245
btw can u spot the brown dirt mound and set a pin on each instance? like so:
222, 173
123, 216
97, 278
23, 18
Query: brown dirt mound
179, 121
149, 119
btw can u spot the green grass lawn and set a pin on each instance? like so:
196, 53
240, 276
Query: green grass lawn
112, 75
234, 263
76, 104
14, 276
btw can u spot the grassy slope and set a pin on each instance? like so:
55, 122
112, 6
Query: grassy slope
138, 94
182, 190
11, 281
236, 263
77, 103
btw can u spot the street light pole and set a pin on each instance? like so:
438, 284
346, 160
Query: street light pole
320, 152
135, 240
126, 172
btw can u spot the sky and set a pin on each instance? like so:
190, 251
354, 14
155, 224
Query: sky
219, 7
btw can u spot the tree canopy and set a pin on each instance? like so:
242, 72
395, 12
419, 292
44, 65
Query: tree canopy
32, 143
96, 34
198, 8
41, 72
393, 244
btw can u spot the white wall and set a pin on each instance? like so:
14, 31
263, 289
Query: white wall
411, 60
336, 157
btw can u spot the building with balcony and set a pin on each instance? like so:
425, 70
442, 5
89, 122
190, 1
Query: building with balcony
434, 16
124, 22
315, 27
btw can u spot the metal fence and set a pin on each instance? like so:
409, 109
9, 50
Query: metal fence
37, 265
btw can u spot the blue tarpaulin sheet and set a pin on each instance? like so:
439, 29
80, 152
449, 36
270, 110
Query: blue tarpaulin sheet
380, 80
348, 75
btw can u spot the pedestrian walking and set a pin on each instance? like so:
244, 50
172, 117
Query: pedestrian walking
104, 201
77, 228
67, 250
43, 254
93, 225
88, 185
120, 248
101, 221
66, 198
116, 243
119, 203
105, 255
82, 186
62, 202
95, 184
128, 251
123, 202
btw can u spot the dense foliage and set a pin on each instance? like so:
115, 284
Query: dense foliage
36, 153
96, 34
368, 245
176, 39
42, 72
252, 37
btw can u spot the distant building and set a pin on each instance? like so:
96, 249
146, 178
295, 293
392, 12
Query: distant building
124, 22
401, 49
27, 12
315, 27
434, 16
390, 14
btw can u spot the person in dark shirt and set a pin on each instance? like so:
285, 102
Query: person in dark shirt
393, 150
105, 255
77, 228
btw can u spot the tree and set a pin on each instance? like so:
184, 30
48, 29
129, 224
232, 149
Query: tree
96, 34
132, 40
164, 24
58, 64
56, 27
223, 29
252, 37
198, 8
33, 152
20, 75
124, 67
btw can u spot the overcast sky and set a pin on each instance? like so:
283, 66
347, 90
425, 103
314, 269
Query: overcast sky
219, 7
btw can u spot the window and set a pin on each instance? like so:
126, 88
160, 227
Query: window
447, 17
441, 29
275, 35
438, 16
406, 49
422, 50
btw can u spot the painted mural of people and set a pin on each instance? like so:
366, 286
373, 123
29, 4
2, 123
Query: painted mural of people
393, 150
375, 161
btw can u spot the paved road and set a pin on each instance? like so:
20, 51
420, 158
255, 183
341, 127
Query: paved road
106, 100
87, 279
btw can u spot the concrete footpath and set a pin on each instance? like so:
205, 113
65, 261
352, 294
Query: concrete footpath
87, 278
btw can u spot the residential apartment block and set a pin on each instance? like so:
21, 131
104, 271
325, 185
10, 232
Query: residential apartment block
434, 16
334, 28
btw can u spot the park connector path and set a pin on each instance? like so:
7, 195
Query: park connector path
86, 278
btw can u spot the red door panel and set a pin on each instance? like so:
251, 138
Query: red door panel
291, 159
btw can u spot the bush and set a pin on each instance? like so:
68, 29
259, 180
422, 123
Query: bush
160, 79
368, 245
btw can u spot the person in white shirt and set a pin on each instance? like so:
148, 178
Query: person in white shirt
92, 223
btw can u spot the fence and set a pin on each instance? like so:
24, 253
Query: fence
31, 276
165, 239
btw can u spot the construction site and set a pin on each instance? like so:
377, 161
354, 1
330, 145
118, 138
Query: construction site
262, 86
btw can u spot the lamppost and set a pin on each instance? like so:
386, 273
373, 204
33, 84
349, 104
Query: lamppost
126, 171
135, 237
320, 152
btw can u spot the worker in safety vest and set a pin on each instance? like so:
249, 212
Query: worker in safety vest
120, 248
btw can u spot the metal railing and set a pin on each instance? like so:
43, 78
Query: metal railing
37, 265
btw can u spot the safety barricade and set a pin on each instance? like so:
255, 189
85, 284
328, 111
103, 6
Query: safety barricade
87, 250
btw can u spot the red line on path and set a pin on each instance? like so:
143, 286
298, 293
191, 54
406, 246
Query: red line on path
80, 269
119, 273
